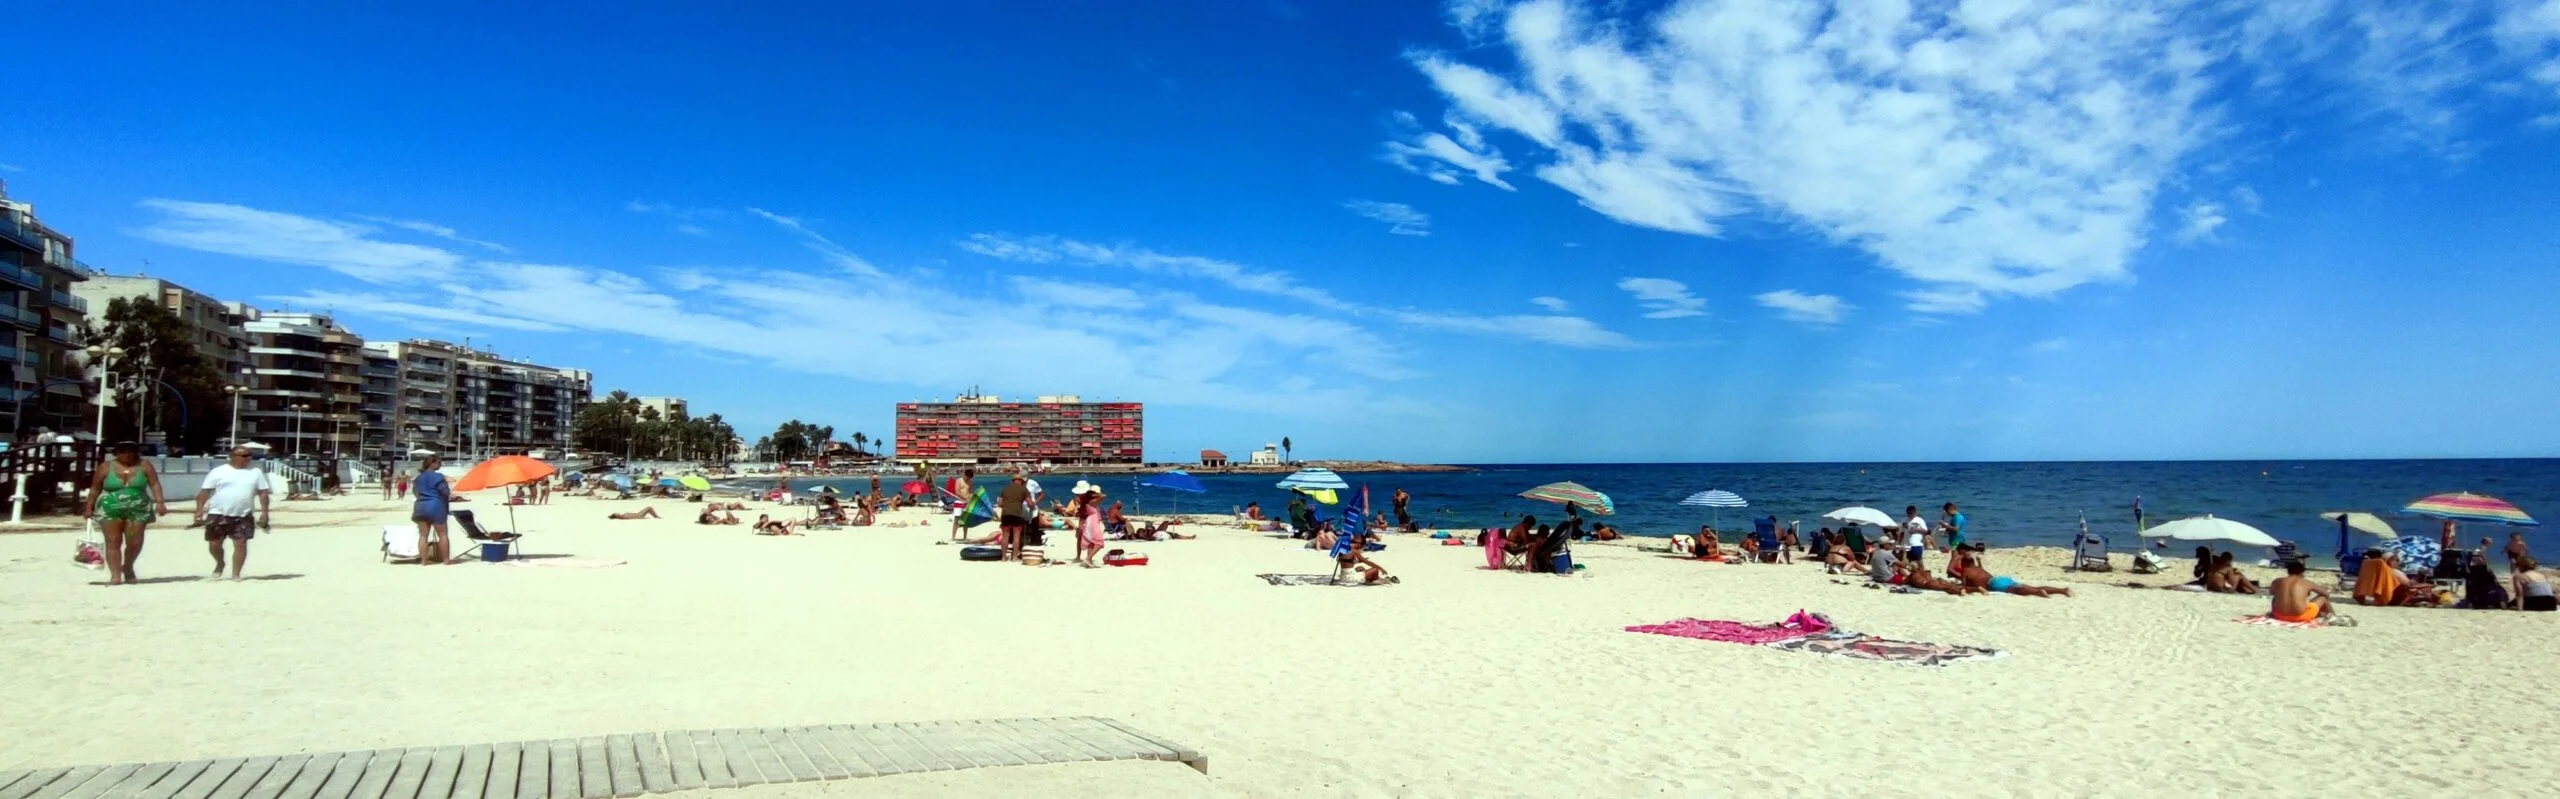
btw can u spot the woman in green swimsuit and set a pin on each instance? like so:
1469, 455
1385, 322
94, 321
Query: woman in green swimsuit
123, 508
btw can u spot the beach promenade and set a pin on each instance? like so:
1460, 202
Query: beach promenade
1456, 682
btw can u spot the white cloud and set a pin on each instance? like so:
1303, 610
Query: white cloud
1557, 329
2203, 217
438, 231
841, 257
1401, 219
2250, 202
1664, 298
1555, 304
691, 229
11, 168
1797, 306
1985, 148
288, 238
2051, 345
688, 220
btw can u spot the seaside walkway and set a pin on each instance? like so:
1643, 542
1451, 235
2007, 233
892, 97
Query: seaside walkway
614, 765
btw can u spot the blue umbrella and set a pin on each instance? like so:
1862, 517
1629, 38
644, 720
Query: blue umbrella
622, 481
669, 482
1717, 499
1176, 480
1314, 480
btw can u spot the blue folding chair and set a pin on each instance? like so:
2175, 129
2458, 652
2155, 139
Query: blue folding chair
1765, 533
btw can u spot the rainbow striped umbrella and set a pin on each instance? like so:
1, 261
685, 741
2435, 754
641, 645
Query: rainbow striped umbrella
2469, 507
1575, 493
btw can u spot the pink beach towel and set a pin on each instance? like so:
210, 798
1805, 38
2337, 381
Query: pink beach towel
2268, 621
1732, 632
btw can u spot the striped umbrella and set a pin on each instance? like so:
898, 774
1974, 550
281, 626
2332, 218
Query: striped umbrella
1718, 499
2469, 507
1574, 493
1313, 479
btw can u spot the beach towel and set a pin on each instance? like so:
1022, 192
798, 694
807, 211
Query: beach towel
400, 541
2264, 620
2379, 582
1869, 647
1317, 579
1731, 632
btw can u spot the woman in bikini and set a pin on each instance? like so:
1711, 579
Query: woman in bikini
645, 512
124, 496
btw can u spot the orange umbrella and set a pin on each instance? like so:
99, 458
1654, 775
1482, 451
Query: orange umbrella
504, 470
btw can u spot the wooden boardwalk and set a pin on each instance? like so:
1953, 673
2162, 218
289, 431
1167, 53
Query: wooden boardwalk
613, 765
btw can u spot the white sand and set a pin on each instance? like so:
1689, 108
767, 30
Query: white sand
1458, 682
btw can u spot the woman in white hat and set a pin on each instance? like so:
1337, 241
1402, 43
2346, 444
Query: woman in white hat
1087, 512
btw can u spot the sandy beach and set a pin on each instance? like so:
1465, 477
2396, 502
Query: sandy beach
1457, 682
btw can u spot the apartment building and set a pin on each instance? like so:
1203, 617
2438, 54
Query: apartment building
302, 389
446, 397
667, 407
46, 382
213, 326
1063, 430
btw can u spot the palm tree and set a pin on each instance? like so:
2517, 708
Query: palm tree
861, 443
1284, 449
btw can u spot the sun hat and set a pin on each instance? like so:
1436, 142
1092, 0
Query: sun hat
1082, 488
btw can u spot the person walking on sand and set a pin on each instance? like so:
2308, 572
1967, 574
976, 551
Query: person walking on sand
431, 512
387, 476
123, 496
960, 488
230, 492
1402, 500
1014, 512
1915, 537
1087, 512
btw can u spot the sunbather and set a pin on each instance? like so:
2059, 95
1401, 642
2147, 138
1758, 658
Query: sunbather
1920, 578
1750, 549
1975, 576
1706, 546
1356, 558
2295, 599
645, 512
713, 515
1839, 559
766, 525
2225, 577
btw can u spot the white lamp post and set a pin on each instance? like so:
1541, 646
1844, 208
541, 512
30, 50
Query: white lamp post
235, 392
100, 355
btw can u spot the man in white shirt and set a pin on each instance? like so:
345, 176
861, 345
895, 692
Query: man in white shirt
231, 491
1915, 536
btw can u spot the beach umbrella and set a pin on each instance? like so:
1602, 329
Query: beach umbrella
2417, 553
1718, 499
917, 487
1176, 480
1860, 515
2208, 528
619, 480
2360, 520
695, 482
505, 470
669, 482
2465, 506
1322, 495
1569, 492
1315, 479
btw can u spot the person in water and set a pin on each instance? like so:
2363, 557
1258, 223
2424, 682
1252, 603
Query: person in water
2293, 598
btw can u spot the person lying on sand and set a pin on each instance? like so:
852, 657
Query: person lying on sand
713, 515
645, 512
1151, 532
770, 526
1975, 576
2295, 599
1920, 578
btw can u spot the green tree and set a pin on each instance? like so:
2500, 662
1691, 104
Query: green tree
1285, 449
163, 383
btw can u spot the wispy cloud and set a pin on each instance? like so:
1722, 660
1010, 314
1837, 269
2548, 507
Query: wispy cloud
1664, 298
2050, 346
438, 231
1552, 304
688, 220
288, 238
2202, 218
1559, 329
1401, 219
824, 247
1982, 149
1797, 306
11, 168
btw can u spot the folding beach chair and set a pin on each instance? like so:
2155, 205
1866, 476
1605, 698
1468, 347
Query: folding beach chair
1765, 533
2089, 553
481, 538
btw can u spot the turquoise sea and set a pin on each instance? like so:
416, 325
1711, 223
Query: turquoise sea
2006, 504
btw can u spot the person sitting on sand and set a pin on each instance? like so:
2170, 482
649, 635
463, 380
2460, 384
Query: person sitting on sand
715, 516
2294, 599
1884, 566
2532, 587
1975, 576
645, 512
1838, 559
1750, 545
1253, 511
1355, 558
766, 525
1706, 546
2225, 577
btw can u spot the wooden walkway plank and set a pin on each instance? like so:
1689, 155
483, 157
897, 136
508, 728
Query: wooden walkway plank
768, 764
317, 773
1004, 739
1121, 747
943, 753
655, 775
594, 781
859, 758
113, 778
794, 762
378, 772
471, 774
247, 776
742, 765
564, 769
533, 778
31, 781
71, 779
437, 783
622, 765
1040, 733
715, 763
894, 756
969, 738
408, 774
1037, 743
1183, 754
272, 783
134, 783
203, 786
813, 744
10, 778
682, 763
170, 783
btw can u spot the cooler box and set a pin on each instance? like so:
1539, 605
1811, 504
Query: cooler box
494, 552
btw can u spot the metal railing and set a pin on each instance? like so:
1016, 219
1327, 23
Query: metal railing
22, 316
12, 272
72, 301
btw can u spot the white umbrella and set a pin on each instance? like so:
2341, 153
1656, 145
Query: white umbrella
254, 446
2363, 521
1718, 499
2208, 528
421, 452
1860, 515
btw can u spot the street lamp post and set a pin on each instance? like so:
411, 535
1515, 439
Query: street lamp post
297, 429
101, 355
235, 392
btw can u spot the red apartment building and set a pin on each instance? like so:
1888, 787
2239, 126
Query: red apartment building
1056, 430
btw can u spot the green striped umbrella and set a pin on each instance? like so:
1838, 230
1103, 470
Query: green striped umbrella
1576, 493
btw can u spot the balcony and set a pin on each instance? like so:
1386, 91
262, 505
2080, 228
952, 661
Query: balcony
346, 359
62, 299
289, 373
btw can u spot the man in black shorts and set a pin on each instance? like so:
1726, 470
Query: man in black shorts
1013, 511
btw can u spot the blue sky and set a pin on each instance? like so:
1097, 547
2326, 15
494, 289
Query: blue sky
1481, 231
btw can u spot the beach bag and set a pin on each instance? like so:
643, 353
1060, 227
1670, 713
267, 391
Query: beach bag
89, 550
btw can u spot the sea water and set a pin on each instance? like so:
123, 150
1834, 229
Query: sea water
2005, 504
